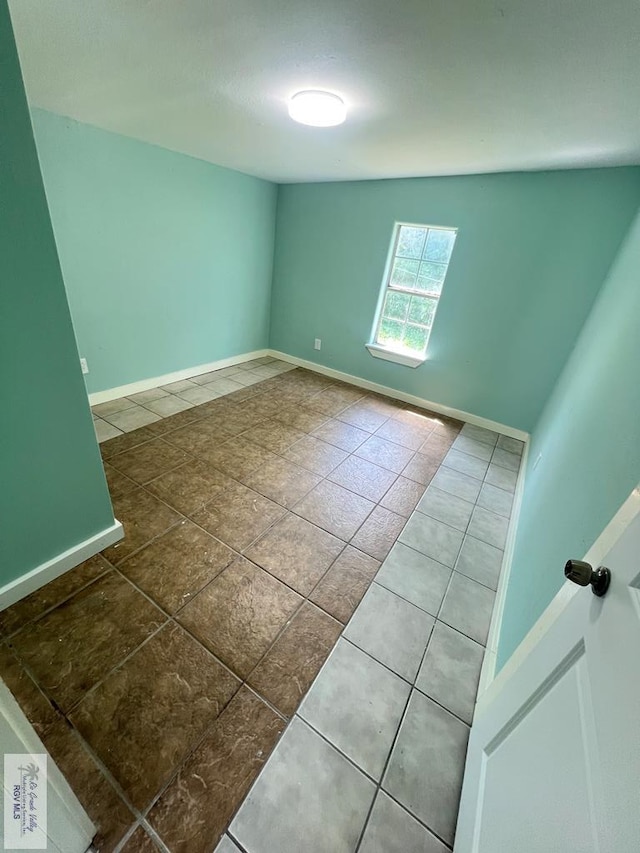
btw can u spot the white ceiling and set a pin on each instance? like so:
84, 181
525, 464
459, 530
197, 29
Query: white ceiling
433, 86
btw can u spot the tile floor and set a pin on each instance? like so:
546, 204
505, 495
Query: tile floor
162, 673
374, 757
148, 407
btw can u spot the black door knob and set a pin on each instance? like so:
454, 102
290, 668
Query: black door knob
583, 574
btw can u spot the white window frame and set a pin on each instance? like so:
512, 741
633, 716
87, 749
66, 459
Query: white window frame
378, 350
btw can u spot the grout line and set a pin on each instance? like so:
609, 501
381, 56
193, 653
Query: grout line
397, 734
59, 603
403, 597
104, 770
272, 386
379, 787
435, 701
72, 708
340, 752
411, 814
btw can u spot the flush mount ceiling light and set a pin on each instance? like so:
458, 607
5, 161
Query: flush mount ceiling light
317, 108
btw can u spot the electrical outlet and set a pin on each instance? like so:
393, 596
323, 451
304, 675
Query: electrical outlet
317, 344
84, 365
537, 462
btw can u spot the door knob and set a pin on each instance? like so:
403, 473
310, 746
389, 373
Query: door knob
583, 574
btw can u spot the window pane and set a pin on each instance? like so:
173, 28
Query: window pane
396, 306
422, 310
439, 245
410, 242
431, 276
415, 338
390, 333
404, 272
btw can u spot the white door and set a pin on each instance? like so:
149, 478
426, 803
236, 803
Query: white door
553, 764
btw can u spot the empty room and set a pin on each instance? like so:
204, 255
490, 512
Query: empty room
320, 445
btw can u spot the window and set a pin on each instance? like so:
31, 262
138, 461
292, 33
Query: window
416, 270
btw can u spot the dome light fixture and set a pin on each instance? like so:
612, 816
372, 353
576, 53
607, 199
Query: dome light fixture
317, 108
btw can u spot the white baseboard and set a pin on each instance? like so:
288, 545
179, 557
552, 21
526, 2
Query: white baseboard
155, 381
488, 671
23, 586
438, 408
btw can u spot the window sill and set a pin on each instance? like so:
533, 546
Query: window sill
378, 351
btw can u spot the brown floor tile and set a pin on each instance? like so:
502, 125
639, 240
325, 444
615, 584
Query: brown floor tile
274, 435
416, 417
282, 481
148, 461
315, 455
379, 532
238, 516
143, 517
199, 435
244, 415
407, 435
240, 614
341, 589
334, 399
403, 496
362, 477
306, 380
236, 397
385, 453
110, 815
287, 397
448, 428
195, 809
140, 842
219, 407
74, 646
238, 457
382, 404
177, 565
335, 509
344, 436
145, 717
189, 487
127, 441
233, 419
436, 446
421, 469
362, 416
259, 409
285, 674
118, 483
301, 418
173, 422
43, 599
296, 552
39, 711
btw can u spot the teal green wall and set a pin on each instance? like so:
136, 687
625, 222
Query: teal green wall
589, 437
167, 259
531, 254
53, 492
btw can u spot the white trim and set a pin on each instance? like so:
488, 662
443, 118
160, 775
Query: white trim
26, 584
155, 381
488, 671
603, 544
69, 828
438, 408
378, 351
